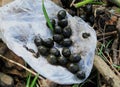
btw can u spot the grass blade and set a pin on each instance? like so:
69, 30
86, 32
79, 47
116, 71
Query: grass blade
28, 80
75, 85
101, 49
46, 16
34, 81
116, 66
98, 3
107, 45
82, 3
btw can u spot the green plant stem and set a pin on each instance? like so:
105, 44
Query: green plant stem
97, 3
28, 80
75, 85
116, 66
46, 16
34, 81
77, 5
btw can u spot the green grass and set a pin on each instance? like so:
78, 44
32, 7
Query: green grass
46, 16
76, 85
33, 82
97, 3
84, 2
79, 4
116, 66
101, 49
109, 42
28, 80
117, 10
100, 52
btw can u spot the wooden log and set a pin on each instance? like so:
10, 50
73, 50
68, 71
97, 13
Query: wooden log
0, 2
106, 72
3, 2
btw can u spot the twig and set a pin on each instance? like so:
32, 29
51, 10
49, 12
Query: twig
118, 28
72, 3
115, 46
111, 64
6, 1
107, 34
119, 56
106, 72
18, 64
109, 58
102, 39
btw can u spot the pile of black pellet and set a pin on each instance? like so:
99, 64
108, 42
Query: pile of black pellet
61, 36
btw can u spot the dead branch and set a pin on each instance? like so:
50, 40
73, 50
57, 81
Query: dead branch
107, 34
114, 49
111, 64
118, 28
18, 64
106, 72
6, 1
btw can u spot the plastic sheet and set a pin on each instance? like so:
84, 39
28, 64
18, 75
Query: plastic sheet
21, 20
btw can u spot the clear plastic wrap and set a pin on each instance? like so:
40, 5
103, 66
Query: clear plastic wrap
21, 20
